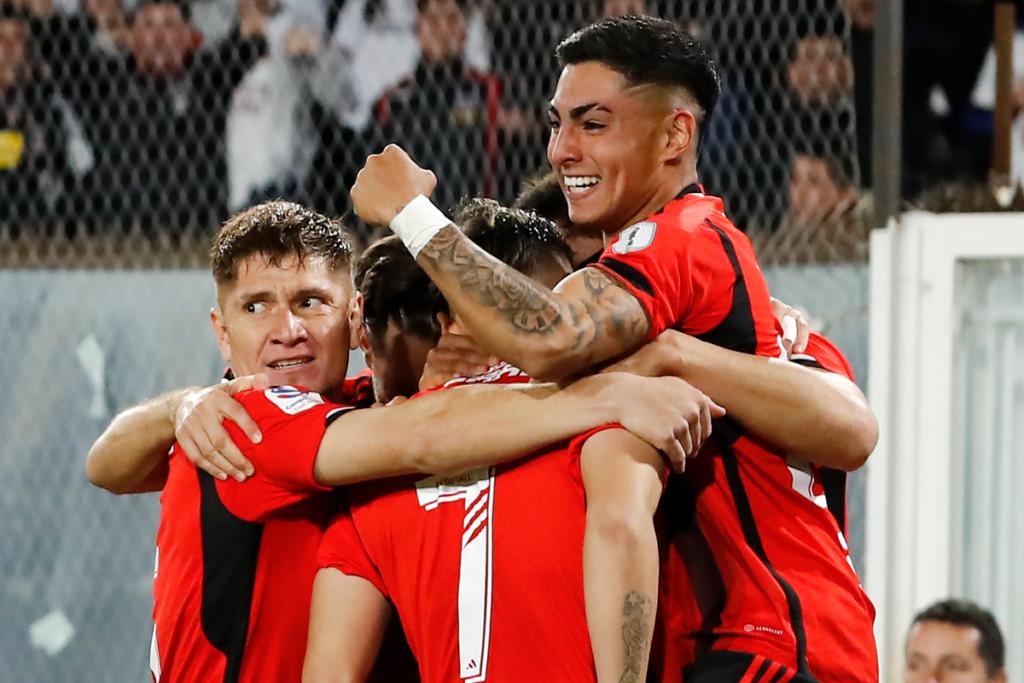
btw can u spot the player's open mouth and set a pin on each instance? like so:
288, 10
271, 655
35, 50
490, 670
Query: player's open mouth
289, 364
580, 183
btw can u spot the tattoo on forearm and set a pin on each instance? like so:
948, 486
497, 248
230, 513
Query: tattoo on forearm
636, 635
527, 306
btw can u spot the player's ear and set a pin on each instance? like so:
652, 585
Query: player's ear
357, 333
682, 135
448, 324
220, 330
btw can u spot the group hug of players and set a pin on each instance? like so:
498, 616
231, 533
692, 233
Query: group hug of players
519, 514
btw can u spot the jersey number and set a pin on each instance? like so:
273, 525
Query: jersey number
476, 491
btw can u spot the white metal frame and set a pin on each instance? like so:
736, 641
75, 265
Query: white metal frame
909, 492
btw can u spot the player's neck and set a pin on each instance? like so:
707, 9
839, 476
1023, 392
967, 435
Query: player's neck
665, 193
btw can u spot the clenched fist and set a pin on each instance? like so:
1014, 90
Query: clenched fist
388, 182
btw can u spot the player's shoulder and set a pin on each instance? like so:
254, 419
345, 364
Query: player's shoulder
279, 403
690, 215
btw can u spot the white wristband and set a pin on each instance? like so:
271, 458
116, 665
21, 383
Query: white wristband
417, 223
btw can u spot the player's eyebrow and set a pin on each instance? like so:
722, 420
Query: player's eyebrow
254, 297
313, 293
578, 111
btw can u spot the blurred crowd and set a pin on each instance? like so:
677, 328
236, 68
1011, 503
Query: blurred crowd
161, 116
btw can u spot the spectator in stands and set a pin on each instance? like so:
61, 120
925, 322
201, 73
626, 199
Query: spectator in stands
826, 221
821, 186
157, 119
446, 114
955, 640
43, 153
272, 104
984, 98
820, 73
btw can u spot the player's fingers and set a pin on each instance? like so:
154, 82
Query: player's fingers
685, 439
194, 452
236, 412
705, 421
258, 382
803, 334
697, 433
717, 410
673, 450
225, 455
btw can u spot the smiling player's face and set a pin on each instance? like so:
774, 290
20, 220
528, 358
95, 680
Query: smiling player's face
606, 146
293, 322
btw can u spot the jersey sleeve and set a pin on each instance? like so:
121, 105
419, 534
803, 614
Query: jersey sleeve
292, 422
341, 548
678, 267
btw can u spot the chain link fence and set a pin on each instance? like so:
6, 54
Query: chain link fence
130, 130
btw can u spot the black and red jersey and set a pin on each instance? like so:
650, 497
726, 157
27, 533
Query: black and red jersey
754, 562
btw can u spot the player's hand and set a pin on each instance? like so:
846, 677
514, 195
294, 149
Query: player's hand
387, 182
199, 427
456, 355
795, 330
669, 413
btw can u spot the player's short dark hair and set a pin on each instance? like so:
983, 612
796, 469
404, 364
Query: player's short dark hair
522, 239
277, 230
966, 613
543, 195
647, 50
396, 289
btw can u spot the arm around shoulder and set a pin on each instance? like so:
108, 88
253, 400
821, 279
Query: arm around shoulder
131, 454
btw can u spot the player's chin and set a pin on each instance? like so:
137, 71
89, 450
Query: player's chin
587, 219
306, 376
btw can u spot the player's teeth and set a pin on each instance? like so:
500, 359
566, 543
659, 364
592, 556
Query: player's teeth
288, 363
580, 181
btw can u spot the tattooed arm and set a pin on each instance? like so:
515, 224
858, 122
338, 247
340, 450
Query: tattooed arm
587, 319
623, 480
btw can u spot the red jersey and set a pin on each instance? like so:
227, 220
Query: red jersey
756, 562
693, 271
485, 568
235, 562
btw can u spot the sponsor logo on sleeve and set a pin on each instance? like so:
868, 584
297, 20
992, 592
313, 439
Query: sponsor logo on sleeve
636, 237
293, 401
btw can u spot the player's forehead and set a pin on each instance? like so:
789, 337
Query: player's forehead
588, 82
285, 276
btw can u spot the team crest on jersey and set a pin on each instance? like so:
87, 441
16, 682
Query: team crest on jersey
293, 401
636, 237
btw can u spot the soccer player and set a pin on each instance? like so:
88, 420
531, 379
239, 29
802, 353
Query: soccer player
626, 120
484, 567
235, 562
